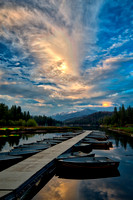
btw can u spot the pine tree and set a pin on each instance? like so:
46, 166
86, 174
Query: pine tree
129, 115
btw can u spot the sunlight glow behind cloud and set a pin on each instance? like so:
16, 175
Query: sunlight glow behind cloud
107, 104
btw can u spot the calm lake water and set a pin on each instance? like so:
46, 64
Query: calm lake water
7, 143
109, 188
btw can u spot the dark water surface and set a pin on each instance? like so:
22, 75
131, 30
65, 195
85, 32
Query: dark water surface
109, 188
119, 187
7, 143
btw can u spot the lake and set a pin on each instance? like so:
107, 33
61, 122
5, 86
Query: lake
109, 188
118, 187
7, 143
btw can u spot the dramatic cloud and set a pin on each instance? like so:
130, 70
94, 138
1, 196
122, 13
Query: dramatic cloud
56, 53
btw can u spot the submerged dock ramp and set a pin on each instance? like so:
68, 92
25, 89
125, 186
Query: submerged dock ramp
18, 180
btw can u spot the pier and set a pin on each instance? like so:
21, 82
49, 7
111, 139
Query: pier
18, 181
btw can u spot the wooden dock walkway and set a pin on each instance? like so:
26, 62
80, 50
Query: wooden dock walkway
17, 180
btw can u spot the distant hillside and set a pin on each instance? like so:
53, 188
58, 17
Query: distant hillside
92, 119
70, 115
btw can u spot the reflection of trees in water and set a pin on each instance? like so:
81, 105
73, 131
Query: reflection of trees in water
122, 140
14, 140
27, 136
2, 143
117, 143
131, 143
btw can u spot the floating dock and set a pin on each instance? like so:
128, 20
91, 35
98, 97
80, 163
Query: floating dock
18, 181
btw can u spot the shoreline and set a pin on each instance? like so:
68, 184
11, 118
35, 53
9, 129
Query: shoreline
118, 130
33, 130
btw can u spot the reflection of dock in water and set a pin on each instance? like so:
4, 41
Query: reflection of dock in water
17, 181
86, 174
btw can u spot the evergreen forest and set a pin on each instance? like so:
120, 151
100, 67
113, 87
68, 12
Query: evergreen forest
14, 116
122, 117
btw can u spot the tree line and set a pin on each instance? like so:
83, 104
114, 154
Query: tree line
121, 117
46, 121
15, 117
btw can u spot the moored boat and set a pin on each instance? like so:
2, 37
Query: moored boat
96, 132
75, 154
23, 152
88, 163
82, 147
34, 146
68, 136
6, 157
60, 138
97, 144
7, 160
97, 137
52, 142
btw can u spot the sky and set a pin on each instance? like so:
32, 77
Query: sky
66, 55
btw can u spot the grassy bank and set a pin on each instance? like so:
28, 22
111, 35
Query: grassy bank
123, 130
38, 129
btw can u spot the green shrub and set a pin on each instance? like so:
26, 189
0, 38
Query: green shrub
31, 123
21, 122
2, 122
11, 123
